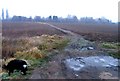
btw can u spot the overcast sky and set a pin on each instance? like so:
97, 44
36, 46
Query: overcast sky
61, 8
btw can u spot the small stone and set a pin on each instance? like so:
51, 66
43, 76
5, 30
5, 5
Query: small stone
76, 75
90, 48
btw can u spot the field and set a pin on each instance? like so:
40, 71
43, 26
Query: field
37, 42
22, 29
93, 32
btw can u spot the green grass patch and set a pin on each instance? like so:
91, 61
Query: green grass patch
115, 54
108, 45
111, 45
15, 75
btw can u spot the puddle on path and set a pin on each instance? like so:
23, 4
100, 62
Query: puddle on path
78, 63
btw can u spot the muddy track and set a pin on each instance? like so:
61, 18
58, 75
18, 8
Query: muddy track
56, 69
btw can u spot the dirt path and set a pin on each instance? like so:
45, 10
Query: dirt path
56, 69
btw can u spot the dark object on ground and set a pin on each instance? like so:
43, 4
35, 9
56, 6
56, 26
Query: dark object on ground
16, 65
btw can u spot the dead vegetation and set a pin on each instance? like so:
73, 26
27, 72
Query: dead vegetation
32, 46
32, 49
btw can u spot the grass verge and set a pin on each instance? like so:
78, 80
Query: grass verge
113, 49
37, 52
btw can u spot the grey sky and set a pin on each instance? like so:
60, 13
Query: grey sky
80, 8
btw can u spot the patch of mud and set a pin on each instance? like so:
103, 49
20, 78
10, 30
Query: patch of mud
106, 75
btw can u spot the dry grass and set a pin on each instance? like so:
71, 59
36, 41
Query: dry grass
11, 46
29, 49
29, 54
32, 47
41, 45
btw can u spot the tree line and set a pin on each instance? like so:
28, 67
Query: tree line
57, 19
